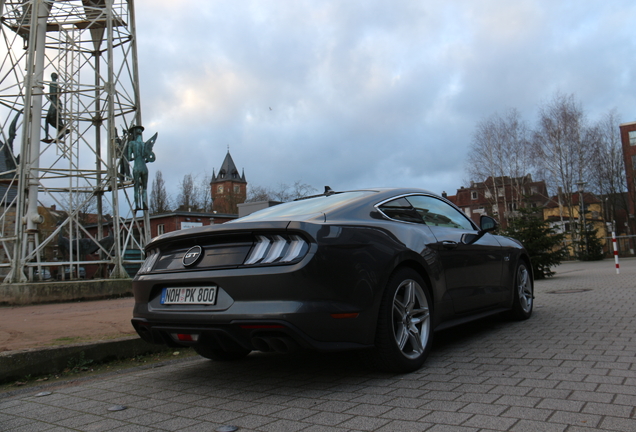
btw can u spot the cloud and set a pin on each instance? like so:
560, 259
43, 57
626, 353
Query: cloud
365, 93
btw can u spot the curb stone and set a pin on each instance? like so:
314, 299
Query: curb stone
43, 361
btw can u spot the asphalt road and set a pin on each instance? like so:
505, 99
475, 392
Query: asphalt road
571, 367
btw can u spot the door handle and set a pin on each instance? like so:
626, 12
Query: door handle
448, 244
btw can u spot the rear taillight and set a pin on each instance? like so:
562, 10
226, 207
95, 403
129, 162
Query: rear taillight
149, 263
277, 249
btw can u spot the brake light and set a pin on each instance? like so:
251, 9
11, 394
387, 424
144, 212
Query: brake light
186, 337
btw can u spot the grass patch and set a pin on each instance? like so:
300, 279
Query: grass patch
82, 367
68, 339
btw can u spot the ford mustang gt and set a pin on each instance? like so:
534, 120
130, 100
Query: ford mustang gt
378, 270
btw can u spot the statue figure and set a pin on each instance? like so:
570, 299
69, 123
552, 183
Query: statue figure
52, 116
11, 161
124, 167
141, 153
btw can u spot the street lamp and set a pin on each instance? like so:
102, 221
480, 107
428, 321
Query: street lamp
581, 184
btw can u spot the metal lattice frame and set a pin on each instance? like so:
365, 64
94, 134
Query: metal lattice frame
91, 46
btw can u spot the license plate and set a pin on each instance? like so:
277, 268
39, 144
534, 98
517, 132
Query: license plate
191, 295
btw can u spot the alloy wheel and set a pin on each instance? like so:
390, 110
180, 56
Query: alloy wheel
524, 288
411, 319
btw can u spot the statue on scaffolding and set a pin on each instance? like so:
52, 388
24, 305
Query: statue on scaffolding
140, 153
122, 151
10, 161
53, 115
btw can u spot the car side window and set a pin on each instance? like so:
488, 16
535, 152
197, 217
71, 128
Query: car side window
400, 209
435, 212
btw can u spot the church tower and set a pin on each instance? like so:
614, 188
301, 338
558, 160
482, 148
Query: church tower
228, 188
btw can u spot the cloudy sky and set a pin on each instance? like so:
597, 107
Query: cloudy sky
365, 93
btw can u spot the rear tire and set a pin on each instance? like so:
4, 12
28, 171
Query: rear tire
219, 354
404, 334
523, 294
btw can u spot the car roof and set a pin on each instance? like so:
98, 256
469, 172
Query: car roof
356, 208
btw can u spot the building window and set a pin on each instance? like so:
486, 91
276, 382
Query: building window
237, 189
488, 194
219, 188
467, 211
161, 229
473, 195
632, 138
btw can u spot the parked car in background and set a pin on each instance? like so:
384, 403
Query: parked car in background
67, 273
377, 270
45, 274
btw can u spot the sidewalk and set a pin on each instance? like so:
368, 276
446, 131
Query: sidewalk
40, 338
571, 367
38, 326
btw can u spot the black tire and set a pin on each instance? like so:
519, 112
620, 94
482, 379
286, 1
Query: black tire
219, 354
523, 292
404, 334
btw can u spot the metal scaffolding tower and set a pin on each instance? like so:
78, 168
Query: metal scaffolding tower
68, 83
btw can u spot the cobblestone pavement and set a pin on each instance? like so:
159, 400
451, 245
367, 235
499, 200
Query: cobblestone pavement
571, 367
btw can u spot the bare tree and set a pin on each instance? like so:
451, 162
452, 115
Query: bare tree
563, 142
159, 199
282, 192
203, 194
85, 204
187, 200
257, 193
301, 190
608, 167
563, 145
500, 155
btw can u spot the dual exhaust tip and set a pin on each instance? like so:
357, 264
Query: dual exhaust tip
280, 344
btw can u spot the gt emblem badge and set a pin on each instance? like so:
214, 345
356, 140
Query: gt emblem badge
192, 256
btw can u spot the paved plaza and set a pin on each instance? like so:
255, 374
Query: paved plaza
571, 367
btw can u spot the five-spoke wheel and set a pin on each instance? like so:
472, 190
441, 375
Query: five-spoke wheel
404, 337
523, 294
411, 324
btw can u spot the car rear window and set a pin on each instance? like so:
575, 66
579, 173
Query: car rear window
305, 207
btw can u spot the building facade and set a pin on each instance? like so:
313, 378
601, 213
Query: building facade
567, 220
500, 197
228, 187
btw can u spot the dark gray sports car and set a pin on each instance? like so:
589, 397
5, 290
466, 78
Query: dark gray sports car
376, 269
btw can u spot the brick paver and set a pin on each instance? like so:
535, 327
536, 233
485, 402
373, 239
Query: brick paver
571, 367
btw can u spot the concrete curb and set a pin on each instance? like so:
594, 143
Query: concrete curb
43, 361
63, 291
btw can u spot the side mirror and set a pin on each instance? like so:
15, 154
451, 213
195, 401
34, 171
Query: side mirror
487, 224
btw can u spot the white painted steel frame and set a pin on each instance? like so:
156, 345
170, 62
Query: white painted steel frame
91, 45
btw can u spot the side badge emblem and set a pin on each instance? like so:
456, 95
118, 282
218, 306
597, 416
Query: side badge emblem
192, 256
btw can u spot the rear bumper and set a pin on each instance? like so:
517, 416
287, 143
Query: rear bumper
255, 335
305, 301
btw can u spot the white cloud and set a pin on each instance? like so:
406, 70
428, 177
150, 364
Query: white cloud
365, 93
